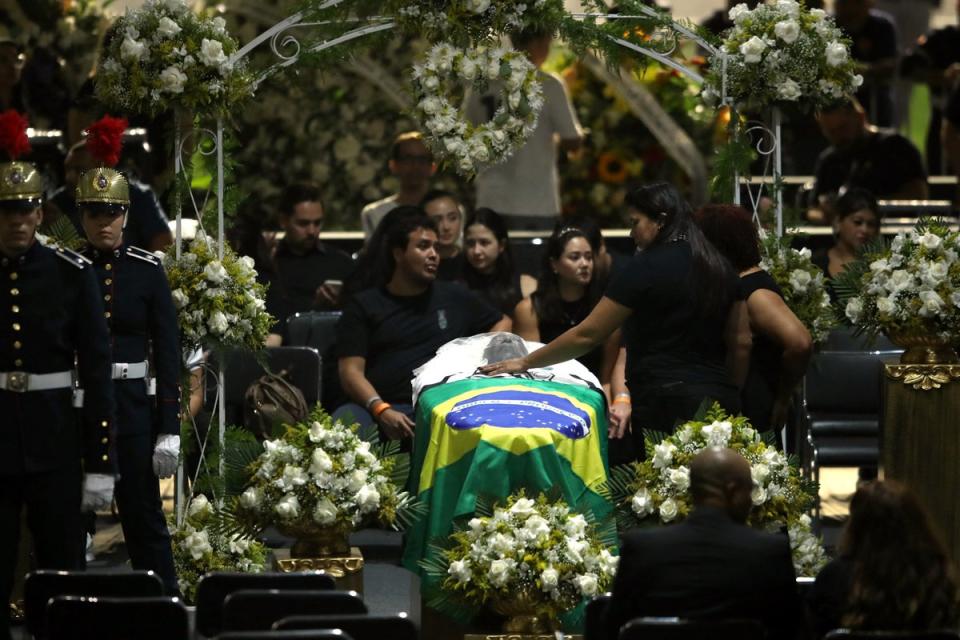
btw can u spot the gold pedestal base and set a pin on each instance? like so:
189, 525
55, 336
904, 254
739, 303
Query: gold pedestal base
345, 569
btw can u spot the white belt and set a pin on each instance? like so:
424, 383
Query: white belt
21, 381
129, 370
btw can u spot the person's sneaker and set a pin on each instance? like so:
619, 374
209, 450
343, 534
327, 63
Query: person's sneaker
90, 556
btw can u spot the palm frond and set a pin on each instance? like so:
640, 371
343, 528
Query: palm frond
401, 469
410, 511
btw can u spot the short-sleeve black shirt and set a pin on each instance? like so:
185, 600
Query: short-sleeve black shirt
397, 334
666, 339
880, 161
760, 388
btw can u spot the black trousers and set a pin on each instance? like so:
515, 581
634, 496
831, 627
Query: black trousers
52, 501
141, 510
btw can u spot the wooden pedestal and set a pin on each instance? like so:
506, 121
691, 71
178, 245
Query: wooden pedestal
346, 569
920, 439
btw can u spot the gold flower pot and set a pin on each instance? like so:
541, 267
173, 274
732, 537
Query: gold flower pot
924, 349
524, 614
313, 541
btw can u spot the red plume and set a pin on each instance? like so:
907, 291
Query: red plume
13, 134
104, 139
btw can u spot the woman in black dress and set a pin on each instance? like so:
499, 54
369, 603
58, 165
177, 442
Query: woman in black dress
489, 268
781, 344
687, 336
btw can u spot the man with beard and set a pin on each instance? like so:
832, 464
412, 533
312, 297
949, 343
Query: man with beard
389, 330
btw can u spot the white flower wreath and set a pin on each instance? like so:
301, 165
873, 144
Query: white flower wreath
470, 147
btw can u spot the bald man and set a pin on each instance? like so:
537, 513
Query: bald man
711, 565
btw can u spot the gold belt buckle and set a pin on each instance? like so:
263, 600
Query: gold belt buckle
17, 381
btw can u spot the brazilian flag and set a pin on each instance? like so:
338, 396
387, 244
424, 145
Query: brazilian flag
490, 437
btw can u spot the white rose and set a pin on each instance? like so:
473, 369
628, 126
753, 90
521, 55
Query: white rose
211, 53
800, 280
197, 543
641, 503
854, 310
753, 49
476, 526
880, 265
932, 303
575, 526
168, 28
219, 24
357, 479
575, 549
788, 6
180, 299
199, 506
789, 90
759, 495
818, 14
478, 6
325, 512
215, 272
738, 13
172, 80
132, 50
608, 562
680, 478
316, 432
523, 508
549, 578
460, 571
218, 323
500, 571
930, 241
320, 462
367, 498
886, 306
587, 584
238, 546
668, 510
857, 81
663, 455
250, 499
759, 473
293, 476
288, 507
837, 54
787, 30
537, 526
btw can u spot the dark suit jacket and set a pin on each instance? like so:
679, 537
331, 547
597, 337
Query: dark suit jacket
706, 567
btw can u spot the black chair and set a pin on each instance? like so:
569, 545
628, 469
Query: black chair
682, 629
594, 614
315, 329
310, 634
360, 627
214, 588
42, 585
80, 617
840, 411
241, 368
258, 609
853, 634
843, 339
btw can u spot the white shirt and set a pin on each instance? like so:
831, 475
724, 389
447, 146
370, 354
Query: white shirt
528, 182
374, 212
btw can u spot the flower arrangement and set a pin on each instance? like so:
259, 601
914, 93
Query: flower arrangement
537, 550
657, 490
470, 147
166, 56
321, 476
801, 283
780, 52
911, 287
470, 19
199, 548
219, 302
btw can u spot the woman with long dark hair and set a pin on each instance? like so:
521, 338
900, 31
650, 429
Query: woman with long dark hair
567, 291
686, 333
893, 572
857, 223
489, 268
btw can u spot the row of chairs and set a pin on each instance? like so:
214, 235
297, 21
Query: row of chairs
107, 606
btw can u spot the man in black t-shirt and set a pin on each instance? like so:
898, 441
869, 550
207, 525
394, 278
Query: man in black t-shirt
387, 332
951, 135
874, 38
883, 162
306, 274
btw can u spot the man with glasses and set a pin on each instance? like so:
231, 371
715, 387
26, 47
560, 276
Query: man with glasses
412, 164
306, 274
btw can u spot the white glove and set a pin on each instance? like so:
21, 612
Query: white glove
97, 491
166, 455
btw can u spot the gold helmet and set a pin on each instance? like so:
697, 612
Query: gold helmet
104, 185
19, 181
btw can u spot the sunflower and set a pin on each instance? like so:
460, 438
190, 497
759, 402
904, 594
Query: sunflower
612, 168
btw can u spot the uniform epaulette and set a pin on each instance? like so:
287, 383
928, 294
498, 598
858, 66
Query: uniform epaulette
73, 257
140, 254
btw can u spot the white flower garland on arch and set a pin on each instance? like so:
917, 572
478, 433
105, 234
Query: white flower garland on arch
471, 147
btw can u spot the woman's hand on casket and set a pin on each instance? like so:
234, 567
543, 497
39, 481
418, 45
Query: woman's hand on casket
396, 424
513, 365
619, 419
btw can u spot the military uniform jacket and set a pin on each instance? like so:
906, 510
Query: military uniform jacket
51, 318
142, 320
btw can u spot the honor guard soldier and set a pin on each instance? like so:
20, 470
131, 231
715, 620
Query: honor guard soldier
142, 320
52, 456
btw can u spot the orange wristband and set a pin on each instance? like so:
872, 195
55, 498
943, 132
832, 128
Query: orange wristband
379, 408
621, 400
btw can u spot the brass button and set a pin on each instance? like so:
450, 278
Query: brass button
104, 423
106, 314
14, 276
14, 291
16, 326
104, 458
104, 440
108, 281
18, 362
107, 297
15, 309
108, 267
16, 344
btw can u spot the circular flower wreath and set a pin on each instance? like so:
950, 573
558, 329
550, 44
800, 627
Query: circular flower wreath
470, 147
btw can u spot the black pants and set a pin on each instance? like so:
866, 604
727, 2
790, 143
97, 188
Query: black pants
52, 501
141, 511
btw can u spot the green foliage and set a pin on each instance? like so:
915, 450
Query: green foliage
63, 233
